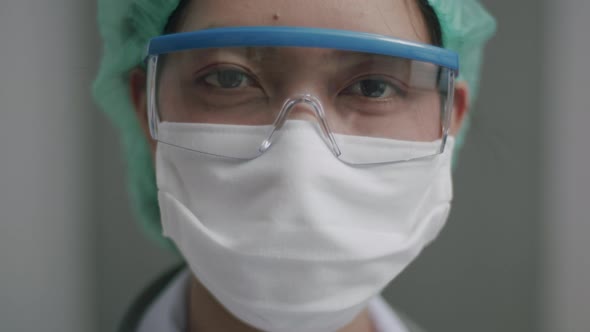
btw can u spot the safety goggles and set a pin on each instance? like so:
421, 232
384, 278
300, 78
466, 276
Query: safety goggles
350, 84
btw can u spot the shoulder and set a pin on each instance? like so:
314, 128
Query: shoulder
411, 326
385, 317
146, 298
388, 319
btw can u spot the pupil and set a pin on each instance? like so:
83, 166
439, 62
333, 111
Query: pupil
230, 78
373, 88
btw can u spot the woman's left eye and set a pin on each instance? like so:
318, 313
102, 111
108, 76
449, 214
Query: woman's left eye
374, 88
228, 79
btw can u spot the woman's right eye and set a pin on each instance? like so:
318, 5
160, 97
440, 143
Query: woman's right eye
228, 79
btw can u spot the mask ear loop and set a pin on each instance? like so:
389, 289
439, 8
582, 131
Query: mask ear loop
320, 115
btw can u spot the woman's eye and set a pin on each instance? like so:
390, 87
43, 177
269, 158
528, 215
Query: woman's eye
374, 88
228, 79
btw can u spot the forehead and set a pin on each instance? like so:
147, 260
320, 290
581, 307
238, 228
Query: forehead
395, 18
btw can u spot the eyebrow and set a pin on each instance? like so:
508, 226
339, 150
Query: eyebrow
253, 52
214, 25
351, 59
340, 53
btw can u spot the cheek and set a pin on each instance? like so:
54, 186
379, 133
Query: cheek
170, 95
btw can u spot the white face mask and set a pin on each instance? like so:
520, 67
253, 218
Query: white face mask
296, 240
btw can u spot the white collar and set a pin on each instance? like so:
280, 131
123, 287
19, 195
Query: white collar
168, 312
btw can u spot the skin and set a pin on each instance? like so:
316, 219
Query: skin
396, 18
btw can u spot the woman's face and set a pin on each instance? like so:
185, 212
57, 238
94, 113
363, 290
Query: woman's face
400, 19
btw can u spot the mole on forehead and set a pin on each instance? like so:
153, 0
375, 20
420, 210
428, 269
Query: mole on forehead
387, 17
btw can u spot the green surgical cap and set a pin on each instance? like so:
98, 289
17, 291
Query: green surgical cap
127, 25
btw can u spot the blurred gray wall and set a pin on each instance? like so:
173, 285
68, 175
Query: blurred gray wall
48, 166
513, 257
565, 290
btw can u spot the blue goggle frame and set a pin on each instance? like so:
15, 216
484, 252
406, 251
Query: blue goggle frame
268, 36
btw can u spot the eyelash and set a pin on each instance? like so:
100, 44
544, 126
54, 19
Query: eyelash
399, 87
202, 76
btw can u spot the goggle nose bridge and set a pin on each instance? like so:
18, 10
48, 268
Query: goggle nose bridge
320, 115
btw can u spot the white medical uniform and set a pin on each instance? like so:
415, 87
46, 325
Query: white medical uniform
168, 312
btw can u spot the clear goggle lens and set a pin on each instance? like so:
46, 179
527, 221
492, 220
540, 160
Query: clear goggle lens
348, 94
